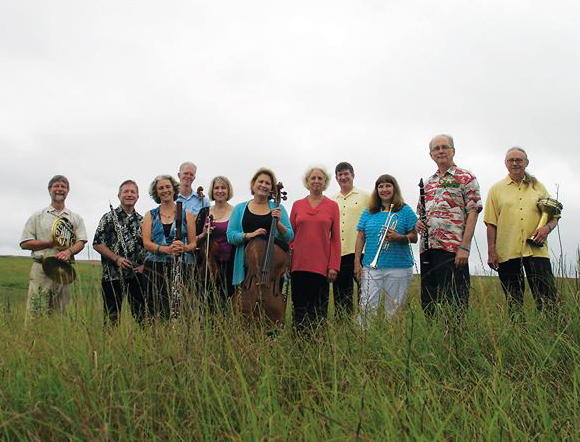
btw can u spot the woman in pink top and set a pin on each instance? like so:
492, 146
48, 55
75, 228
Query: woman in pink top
316, 249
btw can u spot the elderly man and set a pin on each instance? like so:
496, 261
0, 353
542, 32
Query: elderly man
46, 295
452, 205
190, 199
119, 241
511, 216
351, 203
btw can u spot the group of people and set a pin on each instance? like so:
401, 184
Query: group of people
187, 247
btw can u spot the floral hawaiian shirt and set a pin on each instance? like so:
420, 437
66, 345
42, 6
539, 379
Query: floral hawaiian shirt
449, 198
106, 234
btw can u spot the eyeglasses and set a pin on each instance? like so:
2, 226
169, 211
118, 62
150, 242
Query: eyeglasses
438, 148
514, 160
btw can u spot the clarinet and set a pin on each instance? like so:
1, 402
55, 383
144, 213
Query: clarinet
423, 218
177, 265
120, 238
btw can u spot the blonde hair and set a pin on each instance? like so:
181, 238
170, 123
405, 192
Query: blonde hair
309, 171
224, 180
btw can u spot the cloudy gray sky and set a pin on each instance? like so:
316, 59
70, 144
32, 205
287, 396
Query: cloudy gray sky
104, 91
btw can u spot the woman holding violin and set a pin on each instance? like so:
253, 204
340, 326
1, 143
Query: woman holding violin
316, 249
164, 250
218, 256
386, 227
249, 230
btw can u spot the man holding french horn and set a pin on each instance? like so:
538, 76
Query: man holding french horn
54, 235
519, 215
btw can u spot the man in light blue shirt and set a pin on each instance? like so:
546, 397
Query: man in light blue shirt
190, 199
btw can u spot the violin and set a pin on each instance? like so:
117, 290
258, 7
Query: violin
266, 263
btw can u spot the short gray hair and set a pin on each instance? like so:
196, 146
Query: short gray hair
187, 163
153, 187
449, 139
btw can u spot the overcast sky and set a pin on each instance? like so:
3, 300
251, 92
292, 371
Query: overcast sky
102, 91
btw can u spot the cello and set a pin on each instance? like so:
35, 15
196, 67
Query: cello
266, 262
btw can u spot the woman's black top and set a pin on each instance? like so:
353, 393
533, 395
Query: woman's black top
167, 230
252, 222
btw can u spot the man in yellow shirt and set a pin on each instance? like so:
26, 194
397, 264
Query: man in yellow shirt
511, 217
351, 203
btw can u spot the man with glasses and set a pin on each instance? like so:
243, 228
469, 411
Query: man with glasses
452, 205
511, 217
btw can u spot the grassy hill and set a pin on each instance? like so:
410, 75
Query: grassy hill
219, 378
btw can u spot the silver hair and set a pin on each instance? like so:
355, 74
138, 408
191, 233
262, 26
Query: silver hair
518, 148
449, 138
187, 163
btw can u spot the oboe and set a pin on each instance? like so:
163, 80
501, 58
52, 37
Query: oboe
423, 218
177, 265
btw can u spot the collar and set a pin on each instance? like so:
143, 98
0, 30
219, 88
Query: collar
508, 180
450, 171
55, 212
354, 191
187, 198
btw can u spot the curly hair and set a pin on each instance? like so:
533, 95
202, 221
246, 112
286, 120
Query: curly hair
153, 187
309, 171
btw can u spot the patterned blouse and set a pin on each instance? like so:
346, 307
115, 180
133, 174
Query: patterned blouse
107, 235
449, 198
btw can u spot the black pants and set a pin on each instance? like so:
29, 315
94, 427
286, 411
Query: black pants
442, 281
224, 290
310, 293
343, 286
540, 279
113, 292
158, 282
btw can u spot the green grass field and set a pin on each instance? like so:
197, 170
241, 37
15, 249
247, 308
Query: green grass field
65, 378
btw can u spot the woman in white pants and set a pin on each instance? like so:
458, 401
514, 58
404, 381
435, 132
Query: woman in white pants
385, 274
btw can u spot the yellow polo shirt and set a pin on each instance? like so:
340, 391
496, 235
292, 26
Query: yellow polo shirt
513, 210
350, 207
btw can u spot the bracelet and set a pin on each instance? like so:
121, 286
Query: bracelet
244, 236
463, 248
549, 227
157, 249
71, 251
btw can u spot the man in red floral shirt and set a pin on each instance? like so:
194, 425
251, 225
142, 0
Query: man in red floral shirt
452, 205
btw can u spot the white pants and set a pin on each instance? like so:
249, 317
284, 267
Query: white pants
389, 284
44, 295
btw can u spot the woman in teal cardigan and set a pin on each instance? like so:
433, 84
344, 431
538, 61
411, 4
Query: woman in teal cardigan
252, 218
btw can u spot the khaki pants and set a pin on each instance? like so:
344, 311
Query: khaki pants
44, 295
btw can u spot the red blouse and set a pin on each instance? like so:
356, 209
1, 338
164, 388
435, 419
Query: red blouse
316, 244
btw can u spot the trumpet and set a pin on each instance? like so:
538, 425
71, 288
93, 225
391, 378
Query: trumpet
390, 223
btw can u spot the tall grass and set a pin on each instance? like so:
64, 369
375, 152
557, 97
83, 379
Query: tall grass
217, 378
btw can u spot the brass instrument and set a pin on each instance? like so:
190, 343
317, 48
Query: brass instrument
549, 208
63, 236
384, 242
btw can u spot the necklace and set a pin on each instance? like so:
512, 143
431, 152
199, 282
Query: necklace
168, 216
